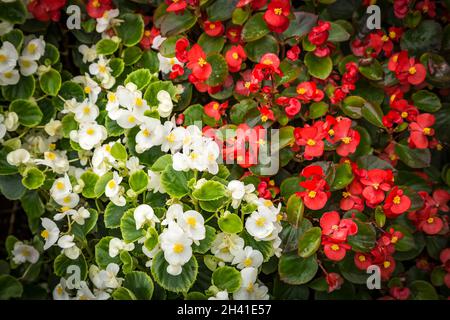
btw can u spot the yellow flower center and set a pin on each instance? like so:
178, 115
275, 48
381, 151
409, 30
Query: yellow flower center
44, 234
331, 132
51, 156
396, 200
394, 239
96, 3
146, 133
212, 26
404, 114
147, 33
216, 106
26, 63
430, 220
311, 142
191, 221
3, 58
139, 102
346, 194
386, 264
31, 48
427, 131
260, 221
385, 38
361, 258
278, 11
90, 131
264, 118
87, 90
412, 70
312, 194
268, 203
171, 137
335, 247
301, 90
102, 68
235, 55
131, 119
247, 84
248, 262
86, 110
335, 227
60, 185
346, 140
392, 34
201, 62
111, 184
178, 248
8, 74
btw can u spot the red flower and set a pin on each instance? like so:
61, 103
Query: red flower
348, 138
334, 281
96, 8
176, 6
351, 198
234, 58
247, 85
214, 29
427, 7
277, 15
406, 69
268, 66
387, 267
201, 69
401, 8
335, 228
315, 195
148, 37
400, 293
266, 114
421, 130
307, 91
291, 106
319, 34
181, 49
215, 110
292, 53
255, 4
396, 203
46, 10
441, 197
362, 260
234, 34
376, 182
311, 137
432, 225
335, 251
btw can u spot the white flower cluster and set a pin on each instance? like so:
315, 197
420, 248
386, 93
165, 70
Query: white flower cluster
27, 61
183, 229
108, 20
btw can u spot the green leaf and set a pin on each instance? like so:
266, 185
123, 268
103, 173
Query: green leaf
210, 190
317, 110
426, 101
221, 10
106, 46
24, 89
309, 242
265, 247
318, 67
162, 163
102, 256
294, 210
15, 36
365, 239
175, 182
240, 15
141, 78
211, 44
337, 33
349, 270
140, 284
64, 266
227, 278
372, 71
13, 12
173, 24
119, 152
256, 49
51, 54
5, 167
29, 113
32, 204
180, 283
230, 223
343, 176
301, 25
352, 106
427, 37
422, 290
380, 217
255, 28
68, 91
206, 243
117, 65
50, 82
372, 113
131, 29
407, 242
128, 227
296, 270
239, 110
90, 179
81, 231
414, 158
10, 287
113, 215
219, 69
131, 55
123, 293
289, 186
153, 89
33, 178
11, 186
193, 114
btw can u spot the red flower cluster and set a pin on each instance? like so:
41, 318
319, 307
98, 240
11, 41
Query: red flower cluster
334, 234
215, 110
234, 57
341, 133
267, 188
420, 130
318, 36
96, 8
277, 15
349, 79
46, 10
427, 219
308, 91
291, 106
406, 69
381, 254
316, 190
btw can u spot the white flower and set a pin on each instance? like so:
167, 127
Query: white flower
53, 127
50, 232
127, 119
220, 295
239, 191
27, 66
86, 111
151, 134
225, 246
61, 187
102, 160
192, 224
69, 201
107, 20
212, 153
34, 49
80, 215
91, 88
260, 224
105, 279
8, 57
177, 248
248, 258
84, 293
150, 254
133, 165
157, 41
89, 135
154, 182
100, 68
11, 121
57, 160
10, 77
144, 214
173, 212
113, 186
89, 53
165, 103
166, 64
250, 290
172, 137
17, 157
116, 245
59, 292
180, 162
24, 253
127, 94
